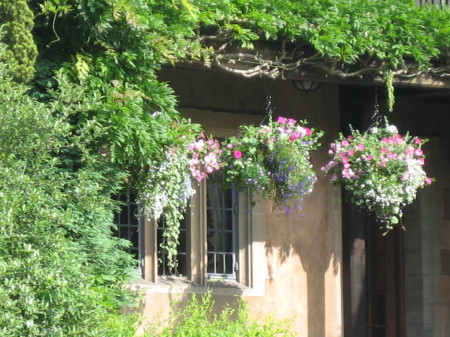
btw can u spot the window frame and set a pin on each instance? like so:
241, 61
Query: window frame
251, 251
196, 217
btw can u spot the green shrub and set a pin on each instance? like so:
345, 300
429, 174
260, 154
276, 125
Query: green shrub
61, 271
197, 319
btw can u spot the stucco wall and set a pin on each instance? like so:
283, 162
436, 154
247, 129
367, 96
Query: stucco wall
300, 254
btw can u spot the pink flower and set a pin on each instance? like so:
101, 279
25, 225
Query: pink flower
194, 161
294, 136
360, 147
308, 131
199, 145
210, 158
385, 140
237, 154
369, 157
417, 141
383, 150
301, 131
421, 161
418, 152
410, 150
348, 173
345, 143
281, 120
229, 146
428, 180
351, 152
328, 166
291, 121
391, 155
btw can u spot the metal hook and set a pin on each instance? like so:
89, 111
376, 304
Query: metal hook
376, 117
269, 109
376, 107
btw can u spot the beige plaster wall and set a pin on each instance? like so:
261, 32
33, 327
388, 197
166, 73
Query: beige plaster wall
300, 256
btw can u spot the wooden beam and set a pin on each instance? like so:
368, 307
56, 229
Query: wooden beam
421, 81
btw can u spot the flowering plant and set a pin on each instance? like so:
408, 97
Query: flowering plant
380, 168
273, 159
204, 157
168, 184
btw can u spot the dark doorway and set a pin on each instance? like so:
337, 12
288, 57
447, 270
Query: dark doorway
373, 279
373, 273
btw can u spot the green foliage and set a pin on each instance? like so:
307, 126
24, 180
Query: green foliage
197, 319
61, 272
360, 37
16, 21
342, 30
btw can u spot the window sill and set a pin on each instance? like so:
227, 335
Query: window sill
176, 285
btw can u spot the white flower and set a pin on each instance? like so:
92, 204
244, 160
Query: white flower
392, 129
374, 130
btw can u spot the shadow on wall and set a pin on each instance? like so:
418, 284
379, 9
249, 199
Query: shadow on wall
305, 243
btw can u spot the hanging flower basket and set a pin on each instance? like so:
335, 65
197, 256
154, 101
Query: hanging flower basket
380, 168
272, 159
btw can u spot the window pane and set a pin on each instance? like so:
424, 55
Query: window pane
228, 219
221, 229
229, 263
228, 199
228, 242
128, 222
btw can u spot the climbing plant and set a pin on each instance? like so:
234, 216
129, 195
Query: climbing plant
344, 38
